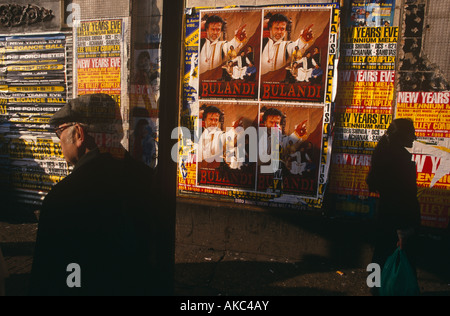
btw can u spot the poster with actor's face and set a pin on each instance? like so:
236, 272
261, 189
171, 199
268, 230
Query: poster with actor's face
229, 54
252, 75
227, 146
294, 54
299, 130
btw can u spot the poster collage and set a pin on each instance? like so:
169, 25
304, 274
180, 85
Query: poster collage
33, 87
243, 71
253, 75
267, 117
366, 103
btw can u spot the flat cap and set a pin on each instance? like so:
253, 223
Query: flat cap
93, 109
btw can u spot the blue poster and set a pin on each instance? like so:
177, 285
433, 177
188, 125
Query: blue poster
372, 13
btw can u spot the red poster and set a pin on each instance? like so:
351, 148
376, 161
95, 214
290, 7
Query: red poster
294, 54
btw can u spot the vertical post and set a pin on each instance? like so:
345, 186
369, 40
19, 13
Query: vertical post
170, 84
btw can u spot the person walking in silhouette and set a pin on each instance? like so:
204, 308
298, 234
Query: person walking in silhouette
393, 176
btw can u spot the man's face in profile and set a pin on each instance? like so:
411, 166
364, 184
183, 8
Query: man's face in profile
278, 31
214, 31
212, 120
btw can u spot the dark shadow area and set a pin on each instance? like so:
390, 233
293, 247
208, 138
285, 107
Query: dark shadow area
349, 240
343, 243
312, 277
17, 284
225, 273
18, 257
13, 249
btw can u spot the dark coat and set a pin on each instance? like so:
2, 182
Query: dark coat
100, 217
393, 176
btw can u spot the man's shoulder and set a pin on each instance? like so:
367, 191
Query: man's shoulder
96, 168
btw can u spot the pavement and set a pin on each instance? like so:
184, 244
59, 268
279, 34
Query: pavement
201, 271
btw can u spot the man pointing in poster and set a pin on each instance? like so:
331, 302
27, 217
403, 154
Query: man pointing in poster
213, 50
276, 49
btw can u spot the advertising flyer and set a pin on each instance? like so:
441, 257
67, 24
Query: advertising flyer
431, 153
369, 48
257, 100
429, 111
99, 68
364, 106
99, 57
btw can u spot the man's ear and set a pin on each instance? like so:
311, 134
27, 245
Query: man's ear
79, 135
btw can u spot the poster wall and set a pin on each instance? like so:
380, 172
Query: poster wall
364, 108
33, 87
257, 99
366, 104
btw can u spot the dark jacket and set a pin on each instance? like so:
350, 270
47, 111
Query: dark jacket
393, 176
100, 217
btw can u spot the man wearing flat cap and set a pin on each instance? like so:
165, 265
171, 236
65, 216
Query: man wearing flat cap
98, 227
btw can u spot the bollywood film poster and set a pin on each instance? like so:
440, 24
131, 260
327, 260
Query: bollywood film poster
294, 58
257, 100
